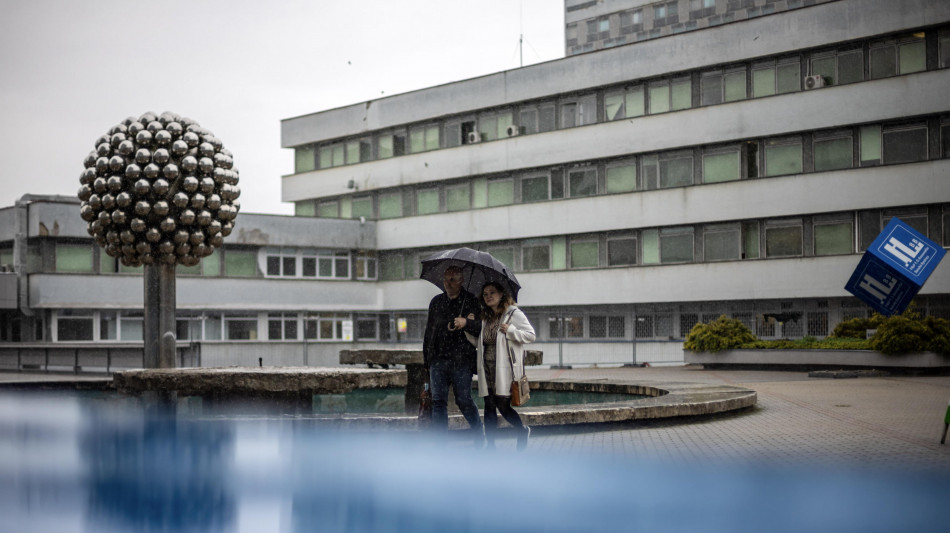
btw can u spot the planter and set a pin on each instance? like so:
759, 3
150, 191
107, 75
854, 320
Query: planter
818, 358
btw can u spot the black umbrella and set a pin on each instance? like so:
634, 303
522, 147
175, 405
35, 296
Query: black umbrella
477, 267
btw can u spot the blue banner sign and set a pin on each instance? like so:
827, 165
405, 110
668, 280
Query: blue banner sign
894, 268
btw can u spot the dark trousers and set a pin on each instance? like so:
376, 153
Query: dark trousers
499, 404
443, 373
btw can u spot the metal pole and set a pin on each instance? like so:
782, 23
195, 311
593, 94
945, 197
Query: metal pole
159, 316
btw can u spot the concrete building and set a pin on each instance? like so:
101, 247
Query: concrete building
704, 157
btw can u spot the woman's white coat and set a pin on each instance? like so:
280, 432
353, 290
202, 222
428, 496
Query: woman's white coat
519, 333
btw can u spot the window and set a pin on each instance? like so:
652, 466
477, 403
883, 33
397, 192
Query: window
606, 326
622, 177
501, 192
331, 155
833, 152
74, 325
687, 321
776, 78
721, 242
701, 8
621, 251
494, 126
644, 326
535, 189
631, 21
665, 14
834, 236
578, 111
333, 265
570, 326
943, 50
305, 209
505, 254
719, 165
390, 205
783, 156
650, 241
240, 263
366, 327
817, 323
73, 257
905, 144
750, 240
670, 95
537, 118
673, 169
870, 145
240, 327
458, 197
282, 326
324, 326
783, 238
913, 218
329, 209
391, 267
717, 87
427, 201
304, 158
584, 254
839, 67
536, 255
582, 182
423, 138
281, 262
365, 265
362, 207
676, 244
901, 56
625, 103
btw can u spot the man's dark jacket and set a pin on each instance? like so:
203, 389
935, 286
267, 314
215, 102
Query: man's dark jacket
439, 342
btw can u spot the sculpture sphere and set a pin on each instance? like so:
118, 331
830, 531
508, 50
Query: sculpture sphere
171, 167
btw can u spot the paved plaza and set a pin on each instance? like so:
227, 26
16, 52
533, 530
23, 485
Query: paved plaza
882, 422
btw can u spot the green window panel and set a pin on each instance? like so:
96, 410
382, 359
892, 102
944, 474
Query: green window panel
458, 198
108, 326
390, 205
613, 106
833, 154
735, 86
432, 137
211, 265
825, 67
503, 122
305, 209
783, 159
417, 140
720, 167
622, 179
328, 209
651, 246
676, 246
427, 201
73, 257
783, 241
506, 255
559, 253
659, 99
633, 103
352, 152
721, 244
763, 82
362, 207
107, 264
681, 95
240, 263
188, 270
622, 251
326, 157
582, 183
304, 160
584, 254
676, 172
913, 57
536, 257
391, 267
833, 239
338, 155
131, 328
385, 146
501, 192
870, 144
534, 189
789, 78
346, 207
480, 193
123, 269
750, 240
488, 128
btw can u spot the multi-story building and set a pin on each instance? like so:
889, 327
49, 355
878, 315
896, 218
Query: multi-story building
688, 159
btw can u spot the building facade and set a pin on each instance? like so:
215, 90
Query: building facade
705, 157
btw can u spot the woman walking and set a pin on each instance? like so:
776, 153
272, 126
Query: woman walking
505, 331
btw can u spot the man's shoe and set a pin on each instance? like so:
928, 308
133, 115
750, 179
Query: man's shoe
523, 438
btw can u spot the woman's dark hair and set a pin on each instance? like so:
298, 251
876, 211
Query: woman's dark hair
506, 300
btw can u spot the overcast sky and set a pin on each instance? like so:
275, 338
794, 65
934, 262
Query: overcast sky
71, 70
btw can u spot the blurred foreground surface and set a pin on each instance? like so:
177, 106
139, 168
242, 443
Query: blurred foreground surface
91, 466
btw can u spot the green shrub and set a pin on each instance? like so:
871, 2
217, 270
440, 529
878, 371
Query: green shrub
939, 334
720, 334
856, 328
898, 334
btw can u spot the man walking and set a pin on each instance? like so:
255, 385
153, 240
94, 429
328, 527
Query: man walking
448, 355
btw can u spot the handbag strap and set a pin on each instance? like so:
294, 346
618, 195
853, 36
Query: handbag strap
511, 357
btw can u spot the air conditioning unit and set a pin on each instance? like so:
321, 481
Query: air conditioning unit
513, 130
474, 137
814, 82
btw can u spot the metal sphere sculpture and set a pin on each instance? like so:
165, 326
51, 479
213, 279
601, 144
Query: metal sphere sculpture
159, 189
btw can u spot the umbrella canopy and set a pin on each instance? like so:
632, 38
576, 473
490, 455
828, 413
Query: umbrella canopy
477, 267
